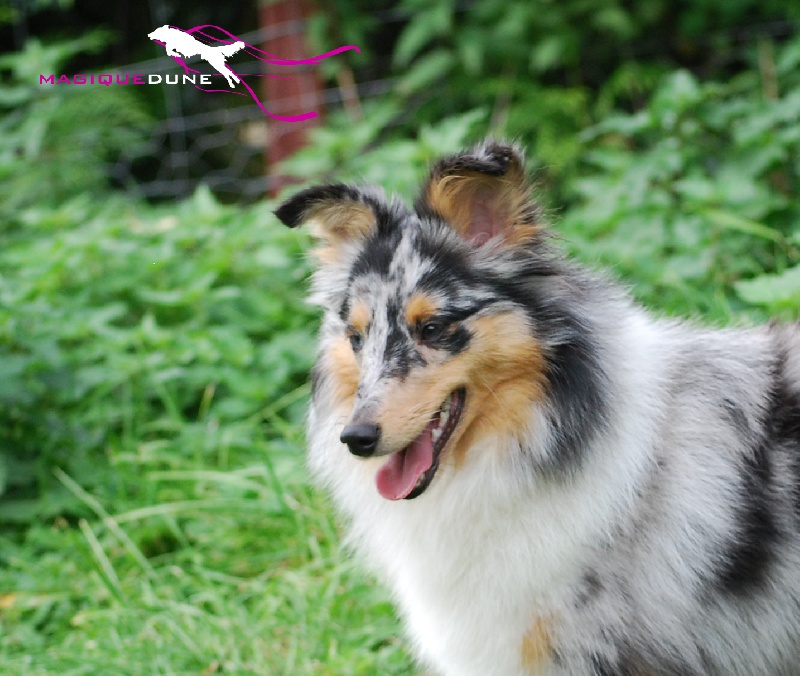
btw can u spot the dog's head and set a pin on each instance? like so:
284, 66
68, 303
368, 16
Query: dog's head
436, 331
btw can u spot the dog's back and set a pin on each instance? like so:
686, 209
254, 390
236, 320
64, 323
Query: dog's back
549, 480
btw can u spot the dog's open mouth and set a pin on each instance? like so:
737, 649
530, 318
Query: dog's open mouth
407, 473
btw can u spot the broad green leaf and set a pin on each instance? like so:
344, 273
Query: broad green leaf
777, 291
427, 70
421, 30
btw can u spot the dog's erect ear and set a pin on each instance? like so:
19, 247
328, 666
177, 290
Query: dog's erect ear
338, 213
483, 193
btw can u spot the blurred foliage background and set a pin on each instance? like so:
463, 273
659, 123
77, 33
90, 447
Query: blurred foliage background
155, 516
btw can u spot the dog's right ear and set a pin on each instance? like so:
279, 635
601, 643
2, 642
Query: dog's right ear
337, 213
483, 194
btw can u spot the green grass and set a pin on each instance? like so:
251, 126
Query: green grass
219, 582
231, 571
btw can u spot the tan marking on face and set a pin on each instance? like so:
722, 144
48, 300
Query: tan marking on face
326, 255
507, 377
359, 317
537, 649
337, 221
344, 370
419, 308
502, 370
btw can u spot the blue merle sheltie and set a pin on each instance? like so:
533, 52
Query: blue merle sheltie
549, 479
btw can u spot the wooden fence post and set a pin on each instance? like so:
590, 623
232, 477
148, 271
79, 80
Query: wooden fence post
296, 91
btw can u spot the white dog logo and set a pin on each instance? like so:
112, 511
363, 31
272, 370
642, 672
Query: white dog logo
179, 43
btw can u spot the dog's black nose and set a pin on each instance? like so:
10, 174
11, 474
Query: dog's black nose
361, 439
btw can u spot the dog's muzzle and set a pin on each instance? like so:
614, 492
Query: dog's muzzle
361, 438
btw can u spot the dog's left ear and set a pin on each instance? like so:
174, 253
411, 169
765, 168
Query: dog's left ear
338, 213
483, 194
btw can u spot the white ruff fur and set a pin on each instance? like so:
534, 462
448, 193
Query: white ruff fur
486, 549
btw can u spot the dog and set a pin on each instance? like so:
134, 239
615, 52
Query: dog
180, 43
548, 479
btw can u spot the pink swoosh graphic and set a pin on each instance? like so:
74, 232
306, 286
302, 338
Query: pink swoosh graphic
260, 55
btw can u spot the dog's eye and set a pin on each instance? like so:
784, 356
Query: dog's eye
356, 339
430, 331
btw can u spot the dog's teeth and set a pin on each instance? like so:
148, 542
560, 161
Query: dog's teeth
436, 433
446, 405
443, 417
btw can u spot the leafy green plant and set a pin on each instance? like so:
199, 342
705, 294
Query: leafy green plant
543, 71
695, 192
55, 140
779, 292
122, 325
350, 152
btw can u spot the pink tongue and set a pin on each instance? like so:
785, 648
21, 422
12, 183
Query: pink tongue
400, 473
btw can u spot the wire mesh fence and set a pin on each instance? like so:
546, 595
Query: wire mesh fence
225, 145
